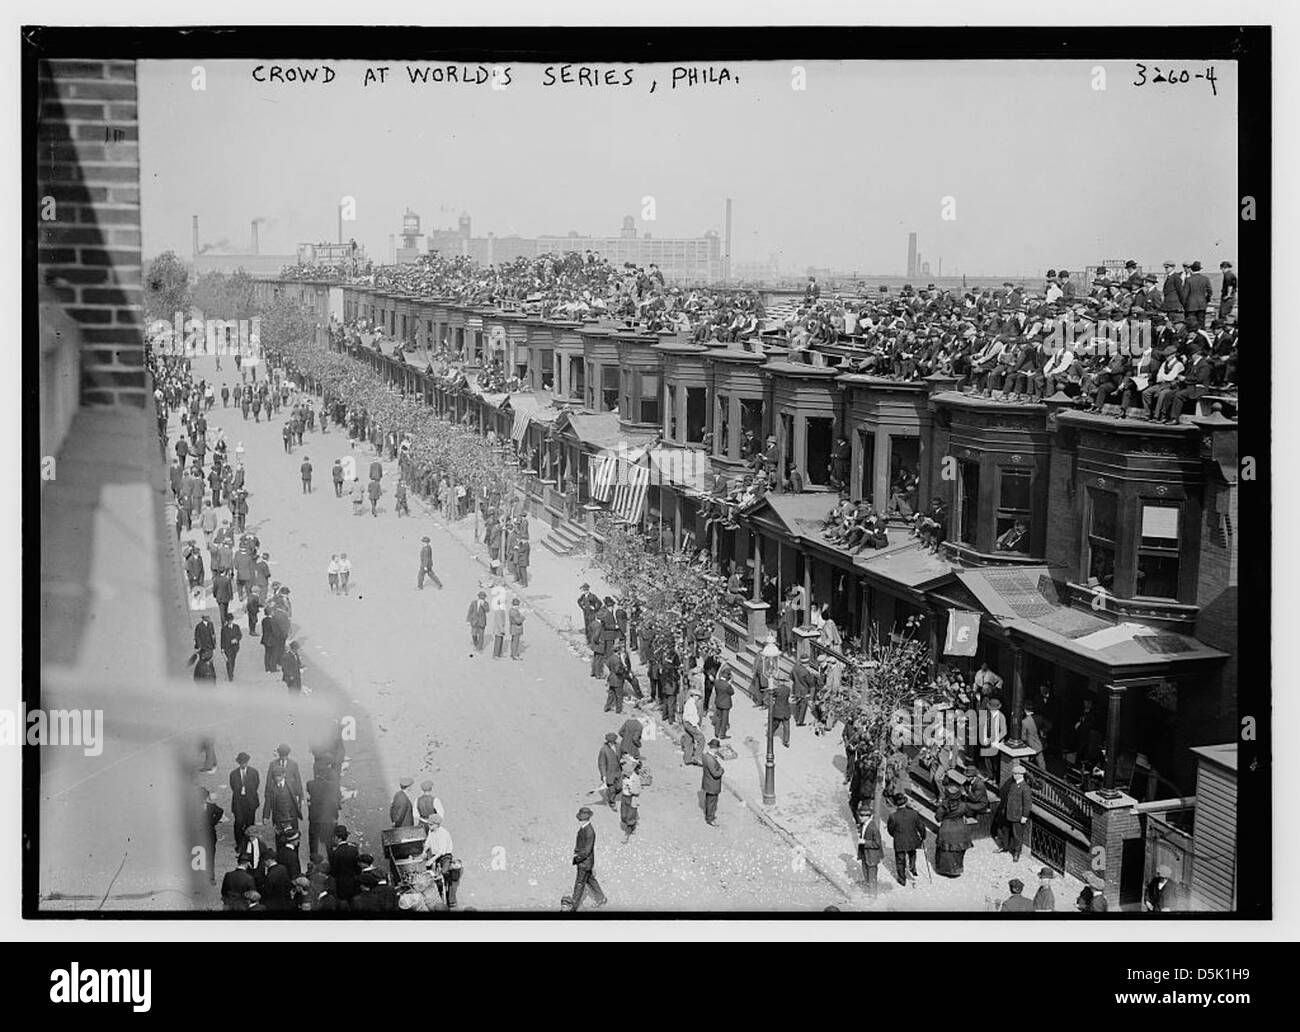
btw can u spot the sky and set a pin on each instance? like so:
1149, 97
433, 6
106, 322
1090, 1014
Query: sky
999, 167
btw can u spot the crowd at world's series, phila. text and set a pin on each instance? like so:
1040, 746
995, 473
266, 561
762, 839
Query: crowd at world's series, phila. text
498, 76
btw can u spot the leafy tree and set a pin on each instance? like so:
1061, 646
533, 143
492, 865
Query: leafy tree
166, 288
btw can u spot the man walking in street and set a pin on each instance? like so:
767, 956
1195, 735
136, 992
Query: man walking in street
905, 827
401, 812
322, 814
291, 668
781, 709
693, 743
607, 763
244, 783
615, 679
231, 636
584, 859
870, 850
305, 470
336, 473
426, 565
711, 781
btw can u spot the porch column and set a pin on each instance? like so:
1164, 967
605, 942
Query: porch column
880, 471
1114, 700
1017, 692
807, 590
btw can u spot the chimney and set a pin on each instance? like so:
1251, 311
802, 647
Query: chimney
912, 256
255, 236
196, 235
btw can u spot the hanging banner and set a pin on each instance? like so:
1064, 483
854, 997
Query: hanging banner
963, 633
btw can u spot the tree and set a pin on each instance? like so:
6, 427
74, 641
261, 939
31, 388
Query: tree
166, 288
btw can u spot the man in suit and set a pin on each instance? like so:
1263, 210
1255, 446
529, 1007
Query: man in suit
291, 667
401, 812
870, 849
611, 771
1017, 808
235, 884
781, 709
1172, 291
723, 689
1197, 293
1030, 733
282, 805
1228, 290
426, 565
711, 781
231, 636
286, 853
205, 635
584, 859
322, 813
805, 683
345, 864
589, 604
244, 783
477, 620
1016, 902
615, 679
905, 827
1195, 381
275, 885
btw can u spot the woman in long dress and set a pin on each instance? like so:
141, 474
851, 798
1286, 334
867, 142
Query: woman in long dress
954, 836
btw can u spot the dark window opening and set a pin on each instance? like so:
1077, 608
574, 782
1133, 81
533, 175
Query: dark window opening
671, 415
868, 439
609, 388
904, 474
819, 437
1102, 535
751, 427
968, 506
1014, 515
722, 437
696, 414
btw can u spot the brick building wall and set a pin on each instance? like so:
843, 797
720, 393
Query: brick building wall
88, 178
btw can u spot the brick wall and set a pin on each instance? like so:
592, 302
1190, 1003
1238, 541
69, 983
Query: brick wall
88, 164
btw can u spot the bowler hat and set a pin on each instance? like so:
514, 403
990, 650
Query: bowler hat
1016, 885
584, 814
1047, 872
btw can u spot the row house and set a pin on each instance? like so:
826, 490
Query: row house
1097, 556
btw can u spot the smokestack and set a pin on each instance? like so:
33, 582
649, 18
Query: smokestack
911, 255
255, 236
940, 272
196, 236
726, 253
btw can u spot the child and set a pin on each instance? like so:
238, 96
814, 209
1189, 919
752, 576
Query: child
345, 571
332, 571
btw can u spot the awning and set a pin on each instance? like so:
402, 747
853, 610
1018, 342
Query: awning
528, 408
602, 431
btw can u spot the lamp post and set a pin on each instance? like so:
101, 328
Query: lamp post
770, 658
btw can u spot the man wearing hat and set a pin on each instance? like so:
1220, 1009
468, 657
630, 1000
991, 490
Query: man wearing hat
283, 765
428, 803
477, 619
908, 832
1172, 290
291, 667
1017, 808
323, 800
1044, 898
1161, 891
693, 743
1092, 899
607, 764
723, 689
870, 850
1197, 293
1016, 902
244, 783
345, 864
426, 565
589, 604
286, 853
401, 812
584, 859
711, 781
438, 851
1228, 290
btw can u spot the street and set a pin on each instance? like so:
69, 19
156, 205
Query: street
510, 746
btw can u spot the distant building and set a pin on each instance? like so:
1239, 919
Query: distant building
681, 259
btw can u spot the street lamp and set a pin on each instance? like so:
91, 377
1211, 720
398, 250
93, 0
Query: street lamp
770, 658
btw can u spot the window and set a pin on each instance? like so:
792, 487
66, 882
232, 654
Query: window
722, 423
819, 436
577, 378
671, 415
968, 501
696, 419
609, 388
787, 445
649, 398
868, 439
1103, 522
546, 363
904, 474
1015, 494
1157, 559
751, 427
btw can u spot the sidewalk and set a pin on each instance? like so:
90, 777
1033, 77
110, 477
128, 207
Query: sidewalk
811, 813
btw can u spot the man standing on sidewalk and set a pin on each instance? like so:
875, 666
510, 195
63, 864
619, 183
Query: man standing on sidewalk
305, 470
516, 630
711, 781
477, 620
780, 690
584, 859
908, 833
723, 689
336, 472
694, 743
